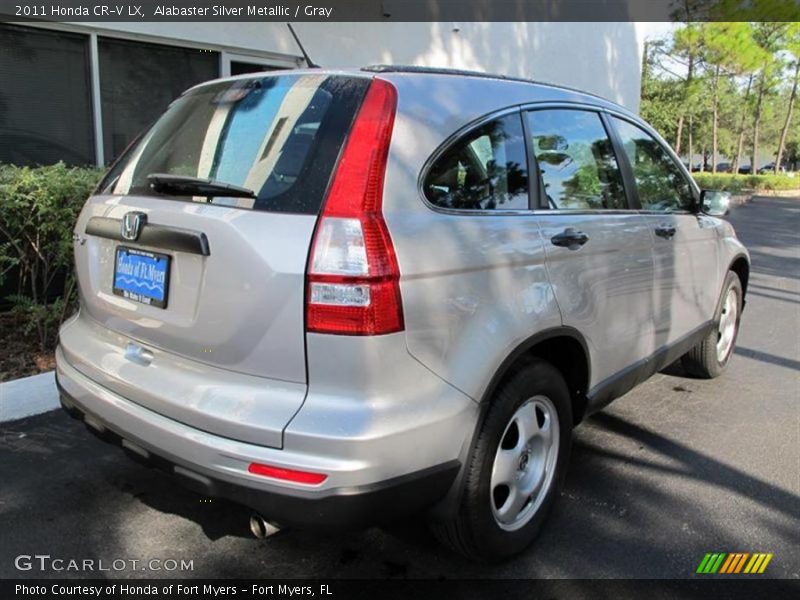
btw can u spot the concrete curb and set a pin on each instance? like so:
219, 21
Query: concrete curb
28, 396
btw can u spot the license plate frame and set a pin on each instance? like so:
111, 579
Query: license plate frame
134, 285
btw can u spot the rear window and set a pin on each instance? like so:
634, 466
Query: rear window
278, 136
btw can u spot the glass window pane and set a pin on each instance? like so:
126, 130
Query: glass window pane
485, 170
576, 160
45, 98
279, 136
138, 81
661, 184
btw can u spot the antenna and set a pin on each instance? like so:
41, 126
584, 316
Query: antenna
308, 60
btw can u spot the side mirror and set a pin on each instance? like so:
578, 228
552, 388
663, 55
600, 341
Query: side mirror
715, 203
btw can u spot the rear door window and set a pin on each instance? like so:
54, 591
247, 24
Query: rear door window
277, 136
486, 169
576, 160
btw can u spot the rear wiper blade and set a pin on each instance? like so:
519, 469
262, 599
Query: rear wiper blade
182, 185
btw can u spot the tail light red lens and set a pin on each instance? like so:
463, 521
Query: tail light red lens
353, 276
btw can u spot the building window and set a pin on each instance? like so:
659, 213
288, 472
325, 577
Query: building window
239, 67
138, 81
45, 97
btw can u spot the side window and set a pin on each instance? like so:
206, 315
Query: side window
484, 170
576, 160
661, 184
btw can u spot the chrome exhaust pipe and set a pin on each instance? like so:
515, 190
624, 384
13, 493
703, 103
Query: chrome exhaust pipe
261, 528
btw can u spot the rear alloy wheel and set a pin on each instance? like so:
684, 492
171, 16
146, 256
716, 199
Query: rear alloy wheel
710, 357
524, 464
516, 467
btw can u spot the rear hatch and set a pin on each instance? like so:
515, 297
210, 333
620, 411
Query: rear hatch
190, 270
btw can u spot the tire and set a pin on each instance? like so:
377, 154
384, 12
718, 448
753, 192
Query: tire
486, 526
709, 358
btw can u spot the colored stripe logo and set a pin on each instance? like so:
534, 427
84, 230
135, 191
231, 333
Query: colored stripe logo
734, 563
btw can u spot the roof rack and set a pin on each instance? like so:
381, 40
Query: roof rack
482, 74
440, 71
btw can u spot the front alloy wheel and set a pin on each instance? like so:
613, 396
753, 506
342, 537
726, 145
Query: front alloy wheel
709, 358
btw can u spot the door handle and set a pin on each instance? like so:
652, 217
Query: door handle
570, 238
665, 231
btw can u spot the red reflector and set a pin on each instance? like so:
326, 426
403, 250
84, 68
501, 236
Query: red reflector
286, 474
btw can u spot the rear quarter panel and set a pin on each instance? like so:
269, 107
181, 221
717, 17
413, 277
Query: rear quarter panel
474, 286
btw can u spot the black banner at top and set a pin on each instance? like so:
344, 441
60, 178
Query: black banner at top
399, 10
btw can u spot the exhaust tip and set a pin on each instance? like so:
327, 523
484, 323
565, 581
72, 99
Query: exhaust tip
261, 528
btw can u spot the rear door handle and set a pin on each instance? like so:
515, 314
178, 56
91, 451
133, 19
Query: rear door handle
570, 238
665, 231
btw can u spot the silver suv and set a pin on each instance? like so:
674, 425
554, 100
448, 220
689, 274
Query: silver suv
338, 297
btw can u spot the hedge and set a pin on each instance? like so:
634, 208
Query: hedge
740, 183
38, 210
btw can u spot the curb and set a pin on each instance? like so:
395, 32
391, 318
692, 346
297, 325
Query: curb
28, 396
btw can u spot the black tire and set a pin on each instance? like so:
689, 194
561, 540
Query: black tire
474, 530
703, 360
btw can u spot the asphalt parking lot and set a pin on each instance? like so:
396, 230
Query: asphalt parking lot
677, 468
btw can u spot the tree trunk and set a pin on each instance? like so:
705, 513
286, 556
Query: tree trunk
740, 148
785, 130
715, 120
691, 143
757, 123
686, 100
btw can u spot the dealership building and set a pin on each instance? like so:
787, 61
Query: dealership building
80, 92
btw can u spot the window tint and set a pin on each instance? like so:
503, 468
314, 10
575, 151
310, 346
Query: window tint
661, 184
484, 170
576, 160
278, 136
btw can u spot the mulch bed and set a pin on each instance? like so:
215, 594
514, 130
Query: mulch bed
20, 355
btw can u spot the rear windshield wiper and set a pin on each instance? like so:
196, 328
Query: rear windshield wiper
182, 185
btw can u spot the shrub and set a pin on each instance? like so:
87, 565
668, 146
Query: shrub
739, 183
38, 209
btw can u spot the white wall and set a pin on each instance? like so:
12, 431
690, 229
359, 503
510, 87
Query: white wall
602, 58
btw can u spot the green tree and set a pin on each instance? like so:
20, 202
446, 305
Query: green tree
792, 45
728, 49
770, 37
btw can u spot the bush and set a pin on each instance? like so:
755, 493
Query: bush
739, 183
38, 209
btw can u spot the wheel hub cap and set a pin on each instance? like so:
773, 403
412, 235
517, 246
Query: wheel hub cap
524, 463
726, 332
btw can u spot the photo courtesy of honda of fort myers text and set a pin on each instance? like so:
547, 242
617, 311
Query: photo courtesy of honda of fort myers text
388, 298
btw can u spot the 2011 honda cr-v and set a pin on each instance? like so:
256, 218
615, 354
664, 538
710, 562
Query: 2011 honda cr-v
342, 296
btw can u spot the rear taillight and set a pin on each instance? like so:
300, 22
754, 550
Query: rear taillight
353, 279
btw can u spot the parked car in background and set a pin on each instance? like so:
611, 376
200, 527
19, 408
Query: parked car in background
769, 169
745, 170
339, 297
724, 167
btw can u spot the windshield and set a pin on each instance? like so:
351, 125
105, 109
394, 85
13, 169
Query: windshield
278, 136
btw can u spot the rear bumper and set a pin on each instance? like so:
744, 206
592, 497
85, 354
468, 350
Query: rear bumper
217, 466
